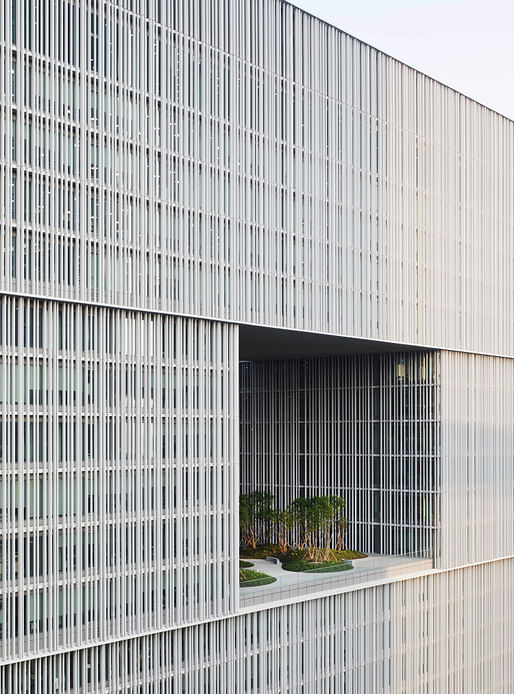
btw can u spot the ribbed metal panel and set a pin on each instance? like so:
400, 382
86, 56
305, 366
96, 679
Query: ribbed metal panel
118, 478
177, 156
167, 168
437, 634
477, 458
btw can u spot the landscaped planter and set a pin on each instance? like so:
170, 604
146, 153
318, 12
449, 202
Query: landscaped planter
251, 579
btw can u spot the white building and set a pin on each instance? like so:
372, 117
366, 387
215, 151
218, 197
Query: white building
187, 184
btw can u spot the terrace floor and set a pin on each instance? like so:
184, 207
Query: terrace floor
290, 584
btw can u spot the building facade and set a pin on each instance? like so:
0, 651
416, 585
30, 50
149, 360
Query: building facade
173, 176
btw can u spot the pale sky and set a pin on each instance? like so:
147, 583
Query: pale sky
467, 44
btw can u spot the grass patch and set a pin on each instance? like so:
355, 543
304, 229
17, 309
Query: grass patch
297, 564
263, 551
351, 554
341, 566
245, 564
260, 552
251, 579
296, 560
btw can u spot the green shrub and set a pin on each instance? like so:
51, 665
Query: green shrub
251, 579
245, 564
340, 566
351, 554
299, 564
263, 551
260, 552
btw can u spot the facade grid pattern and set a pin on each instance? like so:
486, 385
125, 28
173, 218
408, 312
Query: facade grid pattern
117, 476
172, 156
169, 171
477, 458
